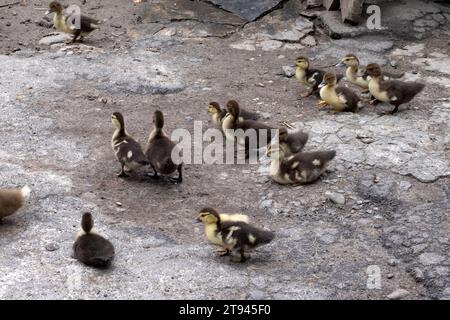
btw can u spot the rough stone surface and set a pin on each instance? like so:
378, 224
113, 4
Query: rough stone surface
398, 294
248, 10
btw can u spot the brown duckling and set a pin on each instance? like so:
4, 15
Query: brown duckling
292, 142
298, 168
235, 236
219, 114
341, 98
127, 150
394, 92
356, 75
91, 248
12, 200
159, 150
211, 229
309, 77
62, 23
231, 121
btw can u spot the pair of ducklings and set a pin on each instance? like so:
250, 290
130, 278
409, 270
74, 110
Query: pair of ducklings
157, 152
381, 86
78, 26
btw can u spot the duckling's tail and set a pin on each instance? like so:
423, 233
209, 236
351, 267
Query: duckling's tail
329, 155
265, 236
25, 191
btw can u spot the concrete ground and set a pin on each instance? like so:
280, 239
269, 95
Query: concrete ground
375, 226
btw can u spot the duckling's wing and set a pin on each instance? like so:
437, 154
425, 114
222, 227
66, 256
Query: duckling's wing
93, 250
401, 91
132, 151
315, 76
348, 97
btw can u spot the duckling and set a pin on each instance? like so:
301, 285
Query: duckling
91, 248
235, 236
298, 168
62, 23
394, 92
127, 150
231, 121
356, 75
211, 229
218, 114
12, 200
293, 142
159, 150
341, 98
309, 77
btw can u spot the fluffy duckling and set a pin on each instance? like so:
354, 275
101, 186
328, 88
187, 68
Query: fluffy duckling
309, 77
356, 75
235, 236
127, 150
231, 121
299, 168
91, 248
62, 23
12, 200
211, 229
394, 92
341, 98
159, 151
292, 142
218, 114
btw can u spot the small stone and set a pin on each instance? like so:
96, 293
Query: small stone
8, 24
266, 204
119, 204
288, 71
336, 197
394, 63
398, 294
256, 295
418, 275
429, 258
390, 276
51, 246
309, 41
393, 262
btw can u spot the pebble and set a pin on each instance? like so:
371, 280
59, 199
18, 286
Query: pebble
336, 197
393, 262
51, 246
288, 71
398, 294
390, 276
418, 275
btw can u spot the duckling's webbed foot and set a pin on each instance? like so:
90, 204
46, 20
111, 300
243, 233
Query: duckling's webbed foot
395, 110
154, 174
75, 36
179, 179
240, 258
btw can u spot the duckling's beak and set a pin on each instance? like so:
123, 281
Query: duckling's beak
47, 12
341, 64
198, 220
322, 84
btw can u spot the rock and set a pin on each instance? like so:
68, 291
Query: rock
418, 275
337, 29
248, 45
51, 246
256, 295
430, 258
266, 204
53, 39
309, 41
336, 197
270, 45
398, 294
331, 4
288, 71
351, 10
313, 3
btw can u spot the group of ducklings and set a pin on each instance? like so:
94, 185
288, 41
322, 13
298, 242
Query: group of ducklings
378, 85
289, 164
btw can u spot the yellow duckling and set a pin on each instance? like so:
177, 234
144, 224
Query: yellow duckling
235, 236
